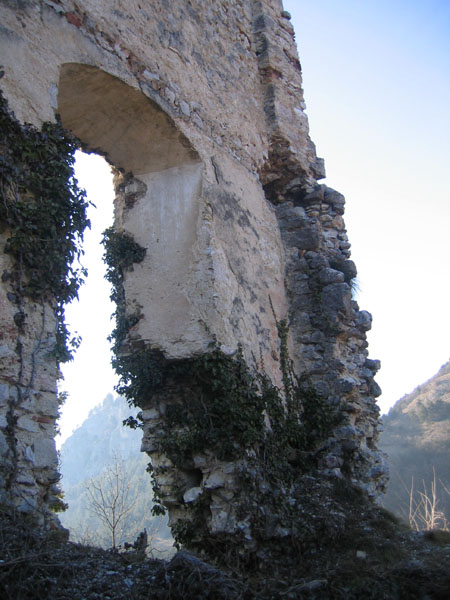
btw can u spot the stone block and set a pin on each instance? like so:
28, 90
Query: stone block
45, 453
373, 365
374, 389
200, 460
149, 445
336, 298
185, 109
364, 320
334, 198
345, 385
216, 479
5, 393
379, 470
4, 448
53, 476
26, 478
150, 414
328, 275
305, 238
347, 267
48, 404
221, 520
28, 505
192, 494
28, 424
28, 453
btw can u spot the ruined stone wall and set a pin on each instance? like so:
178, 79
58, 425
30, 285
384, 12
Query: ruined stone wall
199, 108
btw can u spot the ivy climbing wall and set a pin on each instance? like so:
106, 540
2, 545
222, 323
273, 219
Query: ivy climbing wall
236, 332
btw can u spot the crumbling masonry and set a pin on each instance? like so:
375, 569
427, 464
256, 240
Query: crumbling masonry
237, 334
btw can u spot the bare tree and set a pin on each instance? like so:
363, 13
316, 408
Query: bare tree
86, 536
111, 499
424, 511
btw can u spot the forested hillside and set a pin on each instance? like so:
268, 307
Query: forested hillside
417, 439
94, 448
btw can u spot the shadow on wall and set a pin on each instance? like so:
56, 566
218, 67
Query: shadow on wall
118, 121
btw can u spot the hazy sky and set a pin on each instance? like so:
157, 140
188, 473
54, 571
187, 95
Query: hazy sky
377, 88
89, 378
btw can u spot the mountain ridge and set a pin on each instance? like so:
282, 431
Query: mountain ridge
416, 438
98, 443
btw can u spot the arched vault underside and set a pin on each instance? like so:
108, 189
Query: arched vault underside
106, 114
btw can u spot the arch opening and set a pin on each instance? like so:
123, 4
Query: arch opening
158, 187
89, 376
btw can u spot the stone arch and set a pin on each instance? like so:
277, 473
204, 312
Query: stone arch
158, 197
120, 121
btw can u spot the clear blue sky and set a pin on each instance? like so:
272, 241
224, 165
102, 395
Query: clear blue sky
377, 88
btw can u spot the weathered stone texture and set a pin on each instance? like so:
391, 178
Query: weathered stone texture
199, 107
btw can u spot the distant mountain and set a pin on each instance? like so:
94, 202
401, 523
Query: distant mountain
416, 438
87, 453
93, 445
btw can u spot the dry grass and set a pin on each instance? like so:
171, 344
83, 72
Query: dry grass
374, 559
